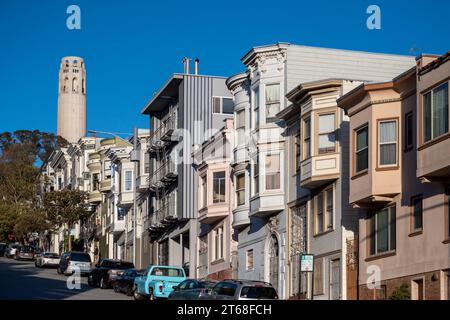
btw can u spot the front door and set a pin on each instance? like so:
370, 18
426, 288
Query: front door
273, 261
335, 279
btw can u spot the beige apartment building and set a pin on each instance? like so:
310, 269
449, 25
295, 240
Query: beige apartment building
399, 178
216, 239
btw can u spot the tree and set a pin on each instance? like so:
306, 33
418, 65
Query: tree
401, 293
65, 208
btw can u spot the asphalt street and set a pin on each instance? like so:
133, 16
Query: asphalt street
22, 280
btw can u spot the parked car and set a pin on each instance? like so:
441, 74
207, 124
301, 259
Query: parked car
107, 271
192, 289
47, 259
10, 251
125, 282
71, 260
24, 253
231, 289
157, 282
3, 247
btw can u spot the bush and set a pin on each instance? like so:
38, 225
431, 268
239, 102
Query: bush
401, 293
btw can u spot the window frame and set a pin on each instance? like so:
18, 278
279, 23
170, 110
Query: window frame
255, 175
240, 127
256, 102
423, 122
297, 153
224, 186
204, 190
240, 190
390, 233
125, 180
326, 215
249, 253
306, 146
221, 98
408, 146
219, 243
319, 134
272, 173
413, 229
355, 150
379, 144
266, 104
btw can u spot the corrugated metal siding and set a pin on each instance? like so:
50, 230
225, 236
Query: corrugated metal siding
306, 64
197, 119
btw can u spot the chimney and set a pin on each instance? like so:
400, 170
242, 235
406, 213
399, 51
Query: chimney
196, 66
186, 62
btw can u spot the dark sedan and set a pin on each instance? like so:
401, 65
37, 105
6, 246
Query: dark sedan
125, 282
192, 289
107, 271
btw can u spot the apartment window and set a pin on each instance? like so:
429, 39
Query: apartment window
272, 171
417, 213
107, 169
219, 187
249, 260
256, 107
218, 243
128, 180
223, 105
95, 181
255, 172
297, 148
163, 256
362, 149
324, 210
146, 163
307, 138
409, 131
327, 133
240, 189
382, 231
387, 147
240, 127
272, 101
204, 191
120, 214
318, 276
435, 112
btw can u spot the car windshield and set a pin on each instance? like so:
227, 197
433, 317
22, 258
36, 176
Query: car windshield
116, 264
167, 272
51, 255
82, 257
225, 289
259, 293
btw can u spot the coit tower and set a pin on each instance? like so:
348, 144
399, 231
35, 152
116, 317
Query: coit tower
72, 99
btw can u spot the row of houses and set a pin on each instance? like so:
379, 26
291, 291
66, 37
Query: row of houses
340, 154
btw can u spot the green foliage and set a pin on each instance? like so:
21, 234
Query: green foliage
401, 293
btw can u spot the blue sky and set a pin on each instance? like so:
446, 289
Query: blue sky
131, 47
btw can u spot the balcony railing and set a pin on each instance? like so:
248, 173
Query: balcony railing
164, 175
163, 134
166, 214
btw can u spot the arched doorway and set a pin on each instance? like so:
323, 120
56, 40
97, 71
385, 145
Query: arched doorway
274, 261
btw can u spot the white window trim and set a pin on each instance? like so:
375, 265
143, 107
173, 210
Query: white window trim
432, 107
221, 104
379, 143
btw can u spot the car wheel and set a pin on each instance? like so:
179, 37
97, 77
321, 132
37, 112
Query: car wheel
103, 284
129, 291
136, 295
150, 294
116, 288
35, 264
58, 270
90, 281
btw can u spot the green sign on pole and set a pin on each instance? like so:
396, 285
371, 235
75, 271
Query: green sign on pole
307, 263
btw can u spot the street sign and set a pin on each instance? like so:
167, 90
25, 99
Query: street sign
307, 263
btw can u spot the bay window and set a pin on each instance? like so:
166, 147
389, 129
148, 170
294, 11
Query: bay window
435, 112
307, 138
240, 127
128, 180
219, 187
255, 173
272, 101
240, 189
204, 191
387, 146
272, 166
256, 108
327, 133
362, 149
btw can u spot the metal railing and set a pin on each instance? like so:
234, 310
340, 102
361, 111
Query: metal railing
166, 172
167, 211
164, 131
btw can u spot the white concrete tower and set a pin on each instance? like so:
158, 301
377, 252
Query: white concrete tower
72, 99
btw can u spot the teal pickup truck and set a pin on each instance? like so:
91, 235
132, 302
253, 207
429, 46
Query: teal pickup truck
157, 282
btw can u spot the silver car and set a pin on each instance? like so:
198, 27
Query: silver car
47, 259
74, 261
232, 289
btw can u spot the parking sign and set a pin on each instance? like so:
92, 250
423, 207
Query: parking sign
306, 263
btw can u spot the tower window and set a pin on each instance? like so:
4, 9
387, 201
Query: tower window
74, 85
